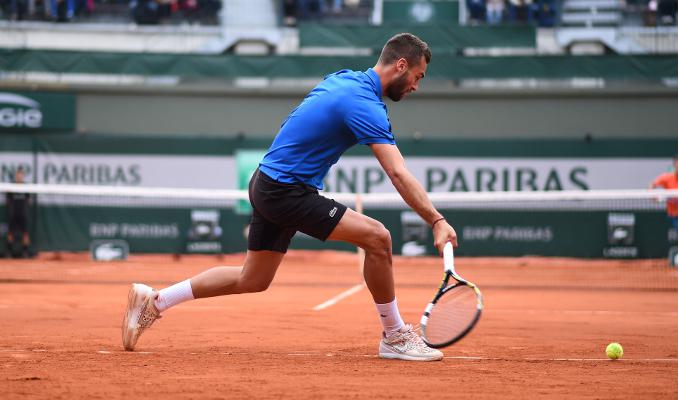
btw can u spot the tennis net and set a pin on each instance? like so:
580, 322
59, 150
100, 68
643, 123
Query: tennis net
606, 238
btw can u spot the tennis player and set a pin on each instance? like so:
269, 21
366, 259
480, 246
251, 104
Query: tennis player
345, 109
669, 180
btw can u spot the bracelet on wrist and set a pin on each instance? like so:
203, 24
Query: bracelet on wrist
436, 221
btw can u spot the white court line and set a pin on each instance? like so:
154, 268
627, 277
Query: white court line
460, 358
584, 312
473, 358
565, 359
334, 300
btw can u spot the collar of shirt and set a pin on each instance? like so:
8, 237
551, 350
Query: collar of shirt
374, 77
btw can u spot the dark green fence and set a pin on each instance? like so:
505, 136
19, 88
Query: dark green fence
481, 232
448, 67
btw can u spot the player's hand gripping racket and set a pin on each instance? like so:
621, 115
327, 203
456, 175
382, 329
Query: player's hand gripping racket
455, 309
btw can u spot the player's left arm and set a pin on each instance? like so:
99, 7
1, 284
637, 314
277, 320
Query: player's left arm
413, 193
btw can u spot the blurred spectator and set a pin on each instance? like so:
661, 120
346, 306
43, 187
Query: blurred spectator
16, 10
311, 9
520, 11
166, 8
121, 11
208, 10
151, 12
476, 10
17, 205
546, 12
666, 12
650, 16
294, 10
495, 11
84, 7
289, 11
144, 12
63, 10
669, 180
34, 5
337, 5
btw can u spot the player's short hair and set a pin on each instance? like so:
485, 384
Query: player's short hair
407, 46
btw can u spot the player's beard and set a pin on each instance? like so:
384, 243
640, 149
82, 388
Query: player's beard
397, 90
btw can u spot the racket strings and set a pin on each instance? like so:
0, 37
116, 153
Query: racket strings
454, 312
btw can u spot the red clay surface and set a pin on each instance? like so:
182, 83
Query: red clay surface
542, 334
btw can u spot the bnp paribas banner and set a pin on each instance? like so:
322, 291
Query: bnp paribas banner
146, 170
361, 174
518, 232
452, 174
143, 170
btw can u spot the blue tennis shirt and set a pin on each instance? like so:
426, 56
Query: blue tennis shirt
343, 110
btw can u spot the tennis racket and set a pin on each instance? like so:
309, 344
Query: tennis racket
454, 310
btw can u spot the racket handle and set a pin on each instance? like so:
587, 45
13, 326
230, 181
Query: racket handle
448, 257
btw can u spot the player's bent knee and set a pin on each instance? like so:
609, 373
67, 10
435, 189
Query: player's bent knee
384, 237
380, 242
254, 286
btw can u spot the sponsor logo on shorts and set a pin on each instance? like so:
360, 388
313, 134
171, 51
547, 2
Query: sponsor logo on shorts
333, 212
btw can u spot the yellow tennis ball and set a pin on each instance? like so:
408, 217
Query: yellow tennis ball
614, 351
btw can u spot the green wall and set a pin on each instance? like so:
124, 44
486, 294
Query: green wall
511, 232
446, 66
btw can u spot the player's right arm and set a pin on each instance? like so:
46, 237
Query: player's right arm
413, 193
658, 182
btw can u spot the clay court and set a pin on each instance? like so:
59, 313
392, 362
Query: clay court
543, 332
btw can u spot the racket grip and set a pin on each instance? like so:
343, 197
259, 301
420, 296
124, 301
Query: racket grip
448, 257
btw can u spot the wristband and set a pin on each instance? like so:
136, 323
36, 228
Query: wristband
436, 221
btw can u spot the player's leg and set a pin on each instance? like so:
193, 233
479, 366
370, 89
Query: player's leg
11, 230
255, 275
25, 241
399, 340
8, 244
370, 235
26, 244
267, 244
145, 304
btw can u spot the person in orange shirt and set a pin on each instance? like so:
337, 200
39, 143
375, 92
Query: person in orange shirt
669, 180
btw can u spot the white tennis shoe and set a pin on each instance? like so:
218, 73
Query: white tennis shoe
405, 344
140, 315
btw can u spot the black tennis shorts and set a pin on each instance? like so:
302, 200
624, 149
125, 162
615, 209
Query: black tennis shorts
18, 224
282, 209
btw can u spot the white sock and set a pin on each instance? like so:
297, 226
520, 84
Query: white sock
390, 317
173, 295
